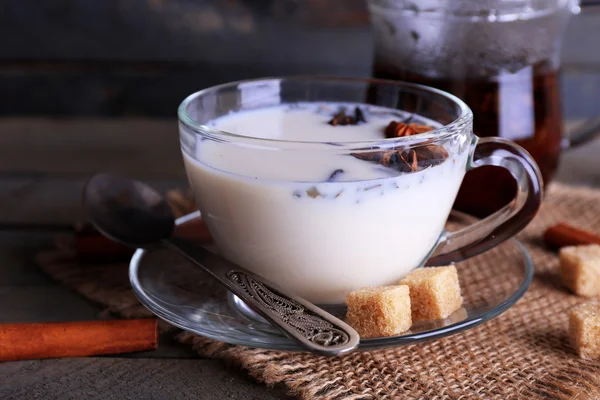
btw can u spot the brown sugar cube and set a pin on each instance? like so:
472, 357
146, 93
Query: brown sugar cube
584, 330
580, 269
379, 311
434, 292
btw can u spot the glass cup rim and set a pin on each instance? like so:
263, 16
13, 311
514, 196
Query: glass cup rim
430, 137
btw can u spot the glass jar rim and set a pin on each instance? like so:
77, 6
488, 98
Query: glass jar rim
433, 136
478, 11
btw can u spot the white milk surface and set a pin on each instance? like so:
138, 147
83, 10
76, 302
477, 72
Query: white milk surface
274, 212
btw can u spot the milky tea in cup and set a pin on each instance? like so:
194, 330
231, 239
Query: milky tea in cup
317, 221
318, 202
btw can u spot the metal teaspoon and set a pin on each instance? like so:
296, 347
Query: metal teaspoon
134, 214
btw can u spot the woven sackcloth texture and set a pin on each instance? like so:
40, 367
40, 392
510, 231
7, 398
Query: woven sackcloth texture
523, 353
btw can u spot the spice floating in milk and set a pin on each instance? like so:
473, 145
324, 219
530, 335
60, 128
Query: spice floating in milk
317, 220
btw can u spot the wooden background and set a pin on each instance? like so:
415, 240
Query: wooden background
142, 57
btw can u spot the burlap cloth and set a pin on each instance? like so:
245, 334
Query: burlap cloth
522, 353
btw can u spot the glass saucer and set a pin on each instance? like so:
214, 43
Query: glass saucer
185, 296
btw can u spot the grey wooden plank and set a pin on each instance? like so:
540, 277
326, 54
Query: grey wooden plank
158, 93
181, 30
245, 32
17, 266
44, 162
44, 303
116, 378
146, 148
144, 58
581, 166
113, 93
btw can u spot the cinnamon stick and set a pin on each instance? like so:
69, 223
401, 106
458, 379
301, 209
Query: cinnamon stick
563, 234
93, 246
97, 247
76, 339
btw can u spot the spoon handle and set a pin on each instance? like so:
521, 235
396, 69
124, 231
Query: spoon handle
307, 324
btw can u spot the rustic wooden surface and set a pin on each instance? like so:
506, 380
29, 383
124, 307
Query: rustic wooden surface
119, 378
141, 57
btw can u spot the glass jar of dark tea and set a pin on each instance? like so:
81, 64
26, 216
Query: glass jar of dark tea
501, 57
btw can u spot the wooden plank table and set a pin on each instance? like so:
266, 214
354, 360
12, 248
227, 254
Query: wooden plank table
43, 164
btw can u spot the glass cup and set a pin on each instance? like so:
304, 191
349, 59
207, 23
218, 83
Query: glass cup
502, 57
321, 239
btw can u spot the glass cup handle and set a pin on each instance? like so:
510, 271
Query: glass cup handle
504, 223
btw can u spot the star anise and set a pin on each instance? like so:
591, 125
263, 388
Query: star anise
399, 129
407, 160
340, 118
431, 155
402, 160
